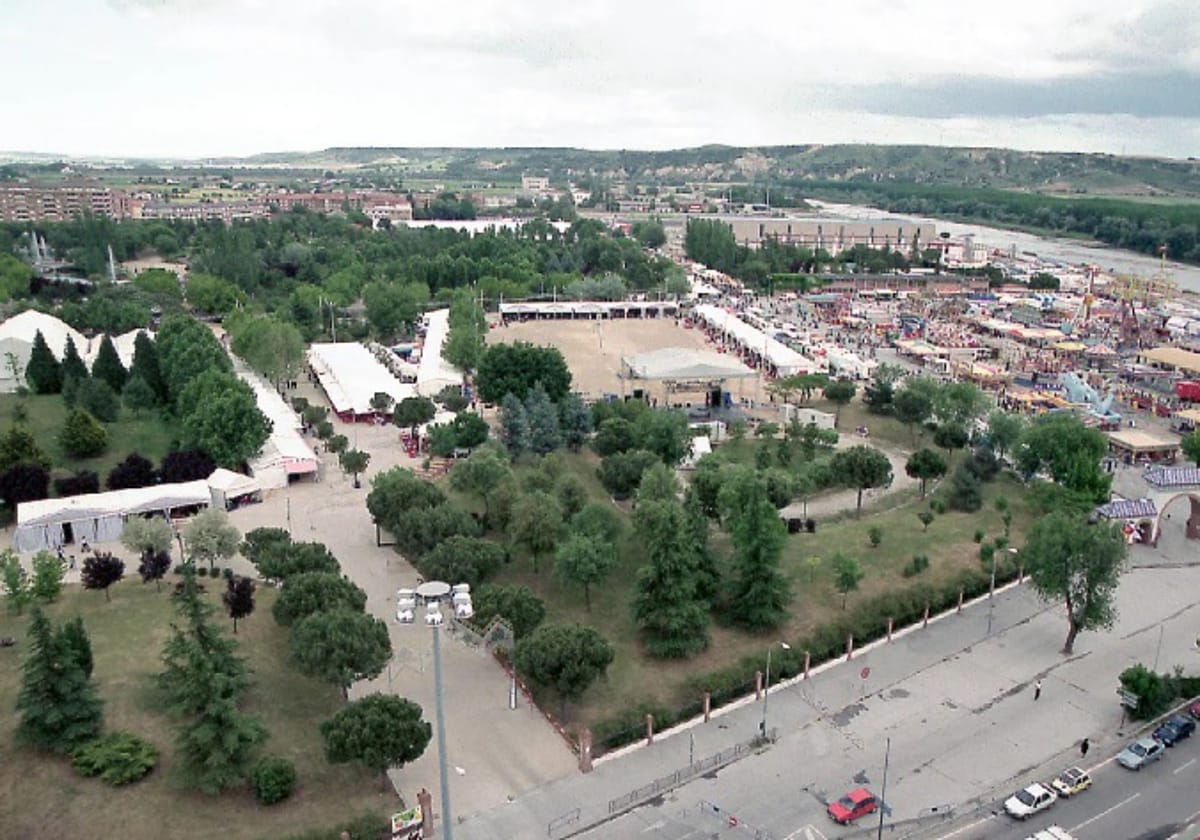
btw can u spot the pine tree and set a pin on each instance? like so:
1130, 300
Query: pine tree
759, 592
545, 435
145, 365
58, 705
43, 373
672, 616
72, 363
514, 425
216, 750
74, 637
107, 366
201, 664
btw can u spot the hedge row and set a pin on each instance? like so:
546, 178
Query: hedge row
867, 621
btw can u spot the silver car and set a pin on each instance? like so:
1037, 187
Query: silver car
1141, 752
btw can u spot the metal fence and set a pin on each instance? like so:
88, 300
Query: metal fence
685, 774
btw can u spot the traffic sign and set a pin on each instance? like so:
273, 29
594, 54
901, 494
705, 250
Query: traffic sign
866, 672
1128, 699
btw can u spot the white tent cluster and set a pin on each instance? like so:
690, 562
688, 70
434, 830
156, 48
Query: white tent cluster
433, 371
761, 348
16, 343
350, 376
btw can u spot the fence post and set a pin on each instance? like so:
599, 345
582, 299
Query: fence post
961, 592
585, 750
925, 623
758, 679
850, 646
707, 705
649, 729
1021, 573
807, 662
889, 636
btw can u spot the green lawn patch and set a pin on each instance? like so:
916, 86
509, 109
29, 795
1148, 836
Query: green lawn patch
41, 796
148, 435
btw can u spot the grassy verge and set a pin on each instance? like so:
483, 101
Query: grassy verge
147, 434
42, 797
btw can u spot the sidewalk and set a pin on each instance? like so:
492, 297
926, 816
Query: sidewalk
956, 702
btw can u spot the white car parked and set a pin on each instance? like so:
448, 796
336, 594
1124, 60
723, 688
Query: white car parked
1025, 803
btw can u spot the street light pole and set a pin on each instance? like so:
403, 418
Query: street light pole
443, 769
762, 727
883, 791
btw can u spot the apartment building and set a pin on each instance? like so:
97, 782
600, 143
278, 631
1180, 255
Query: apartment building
59, 202
535, 184
833, 235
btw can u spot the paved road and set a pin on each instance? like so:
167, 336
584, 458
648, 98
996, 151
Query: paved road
1151, 804
956, 702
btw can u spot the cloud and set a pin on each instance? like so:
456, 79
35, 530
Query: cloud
212, 77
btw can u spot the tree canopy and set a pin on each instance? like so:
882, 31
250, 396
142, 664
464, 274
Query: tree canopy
514, 368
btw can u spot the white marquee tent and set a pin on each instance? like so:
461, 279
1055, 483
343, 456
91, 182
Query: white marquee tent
16, 342
285, 452
435, 373
351, 376
783, 360
99, 517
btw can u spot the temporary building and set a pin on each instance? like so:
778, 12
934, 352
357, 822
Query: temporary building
16, 343
350, 376
680, 363
99, 517
777, 356
227, 487
435, 373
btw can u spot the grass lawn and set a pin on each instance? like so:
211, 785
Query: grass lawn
42, 796
635, 678
147, 435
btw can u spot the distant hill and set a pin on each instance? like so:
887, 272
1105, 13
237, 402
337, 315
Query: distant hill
965, 167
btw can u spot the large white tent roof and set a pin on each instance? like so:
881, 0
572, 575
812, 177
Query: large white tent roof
435, 373
351, 376
681, 363
26, 325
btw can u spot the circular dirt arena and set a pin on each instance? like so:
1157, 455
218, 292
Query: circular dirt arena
593, 350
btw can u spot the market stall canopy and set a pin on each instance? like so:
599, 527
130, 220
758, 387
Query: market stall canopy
680, 363
1175, 357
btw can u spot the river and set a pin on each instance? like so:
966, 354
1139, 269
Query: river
1047, 248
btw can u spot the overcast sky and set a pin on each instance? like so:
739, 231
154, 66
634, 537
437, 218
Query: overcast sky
234, 77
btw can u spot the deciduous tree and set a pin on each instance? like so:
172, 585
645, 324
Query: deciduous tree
355, 461
863, 468
517, 605
341, 647
238, 598
566, 659
1067, 558
210, 536
846, 575
413, 412
537, 523
583, 561
100, 571
380, 731
513, 368
923, 465
313, 592
840, 392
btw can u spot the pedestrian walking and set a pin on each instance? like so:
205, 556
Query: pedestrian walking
1084, 746
1037, 690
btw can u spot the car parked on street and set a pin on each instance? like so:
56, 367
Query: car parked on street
1194, 710
1174, 729
1071, 781
1029, 801
855, 804
1141, 752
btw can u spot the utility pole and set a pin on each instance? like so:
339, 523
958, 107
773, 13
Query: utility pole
883, 790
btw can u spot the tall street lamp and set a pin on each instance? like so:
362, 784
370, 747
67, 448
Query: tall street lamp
433, 594
762, 726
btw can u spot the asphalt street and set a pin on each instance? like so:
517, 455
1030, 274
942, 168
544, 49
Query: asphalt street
1150, 804
965, 728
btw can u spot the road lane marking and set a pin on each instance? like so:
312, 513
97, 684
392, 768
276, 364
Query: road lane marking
1183, 767
1106, 812
808, 832
959, 831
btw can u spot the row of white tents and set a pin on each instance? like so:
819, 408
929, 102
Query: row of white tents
767, 350
16, 342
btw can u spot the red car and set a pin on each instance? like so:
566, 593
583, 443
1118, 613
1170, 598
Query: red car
855, 804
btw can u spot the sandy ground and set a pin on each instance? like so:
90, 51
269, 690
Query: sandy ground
593, 350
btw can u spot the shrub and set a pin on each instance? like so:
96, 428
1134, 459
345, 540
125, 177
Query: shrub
274, 779
202, 571
938, 506
875, 536
810, 525
979, 535
118, 758
918, 564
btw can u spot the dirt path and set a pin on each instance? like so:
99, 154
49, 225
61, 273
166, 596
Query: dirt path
840, 501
